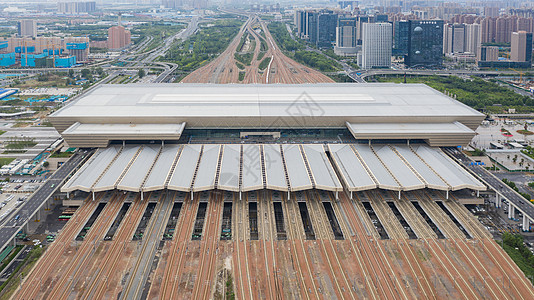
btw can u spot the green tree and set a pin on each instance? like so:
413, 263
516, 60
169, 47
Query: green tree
141, 73
86, 73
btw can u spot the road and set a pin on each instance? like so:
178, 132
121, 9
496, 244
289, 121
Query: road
523, 205
13, 225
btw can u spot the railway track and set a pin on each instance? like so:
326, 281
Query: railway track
454, 273
151, 239
330, 250
267, 240
298, 251
202, 287
183, 229
61, 289
34, 282
96, 288
240, 247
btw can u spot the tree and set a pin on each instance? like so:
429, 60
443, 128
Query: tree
100, 71
85, 73
71, 73
46, 164
141, 73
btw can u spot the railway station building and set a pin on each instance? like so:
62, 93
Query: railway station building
287, 138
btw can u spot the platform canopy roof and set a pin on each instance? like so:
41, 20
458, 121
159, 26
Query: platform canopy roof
286, 167
399, 168
195, 167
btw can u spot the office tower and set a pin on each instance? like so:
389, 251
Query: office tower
521, 46
27, 28
402, 37
300, 22
346, 37
376, 45
118, 37
326, 29
425, 43
453, 38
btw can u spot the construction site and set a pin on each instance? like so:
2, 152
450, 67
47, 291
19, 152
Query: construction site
326, 191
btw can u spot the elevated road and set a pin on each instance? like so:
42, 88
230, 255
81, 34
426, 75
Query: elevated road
18, 219
501, 189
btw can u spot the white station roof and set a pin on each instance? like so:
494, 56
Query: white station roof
140, 168
184, 172
162, 111
353, 172
288, 167
321, 169
413, 167
230, 168
275, 175
161, 169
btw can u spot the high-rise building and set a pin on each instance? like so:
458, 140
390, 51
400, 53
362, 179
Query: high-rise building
300, 22
72, 7
454, 38
491, 11
521, 46
118, 37
472, 38
376, 45
346, 43
326, 29
402, 37
317, 27
488, 53
425, 43
27, 28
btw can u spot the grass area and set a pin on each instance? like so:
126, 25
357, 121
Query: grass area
245, 58
330, 52
525, 132
210, 41
19, 143
61, 154
317, 61
53, 79
261, 55
2, 132
341, 78
240, 65
159, 31
8, 259
6, 161
475, 92
283, 39
514, 245
14, 152
22, 124
242, 42
265, 63
296, 50
512, 185
230, 295
12, 283
241, 76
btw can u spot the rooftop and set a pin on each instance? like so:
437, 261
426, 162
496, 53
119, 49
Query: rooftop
208, 100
